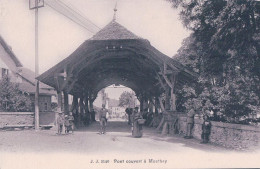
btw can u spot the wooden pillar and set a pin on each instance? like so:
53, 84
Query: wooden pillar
141, 103
146, 104
173, 100
81, 106
156, 102
91, 108
167, 98
173, 96
66, 102
86, 101
59, 108
74, 107
150, 107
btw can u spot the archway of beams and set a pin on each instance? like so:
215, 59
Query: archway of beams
116, 56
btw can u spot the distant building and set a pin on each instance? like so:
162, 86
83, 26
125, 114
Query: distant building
114, 109
12, 67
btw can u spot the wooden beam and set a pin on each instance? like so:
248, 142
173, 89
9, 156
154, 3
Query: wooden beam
167, 80
161, 82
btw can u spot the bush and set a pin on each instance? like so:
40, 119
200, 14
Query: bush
12, 99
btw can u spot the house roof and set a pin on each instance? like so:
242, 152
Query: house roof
28, 84
28, 76
10, 52
29, 88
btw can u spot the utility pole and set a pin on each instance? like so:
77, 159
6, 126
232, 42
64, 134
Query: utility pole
34, 5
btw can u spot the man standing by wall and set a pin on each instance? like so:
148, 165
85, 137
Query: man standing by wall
103, 119
190, 123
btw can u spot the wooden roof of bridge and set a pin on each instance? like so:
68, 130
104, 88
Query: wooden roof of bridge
114, 56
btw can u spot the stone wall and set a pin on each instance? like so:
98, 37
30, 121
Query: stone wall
16, 119
229, 135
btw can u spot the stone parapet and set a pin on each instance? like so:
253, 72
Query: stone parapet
16, 119
229, 135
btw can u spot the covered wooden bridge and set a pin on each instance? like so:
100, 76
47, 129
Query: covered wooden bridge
116, 56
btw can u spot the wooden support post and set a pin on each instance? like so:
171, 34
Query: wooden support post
167, 99
59, 108
66, 102
91, 109
156, 104
91, 105
74, 106
150, 107
161, 104
141, 104
173, 97
163, 111
81, 106
81, 111
145, 104
86, 101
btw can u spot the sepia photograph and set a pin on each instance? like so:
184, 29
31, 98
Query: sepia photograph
145, 84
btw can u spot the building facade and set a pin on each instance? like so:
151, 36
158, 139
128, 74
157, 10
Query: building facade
25, 78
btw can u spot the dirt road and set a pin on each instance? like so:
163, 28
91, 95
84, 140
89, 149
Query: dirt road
114, 148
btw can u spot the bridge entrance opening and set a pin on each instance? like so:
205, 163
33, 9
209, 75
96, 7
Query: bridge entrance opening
116, 98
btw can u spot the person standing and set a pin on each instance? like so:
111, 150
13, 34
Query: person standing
137, 128
190, 123
103, 119
129, 112
206, 129
60, 122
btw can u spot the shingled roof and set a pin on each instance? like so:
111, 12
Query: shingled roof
114, 31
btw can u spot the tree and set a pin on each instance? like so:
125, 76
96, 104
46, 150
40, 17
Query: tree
127, 99
11, 98
228, 32
224, 49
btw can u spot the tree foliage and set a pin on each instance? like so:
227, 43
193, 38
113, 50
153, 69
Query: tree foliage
11, 98
224, 49
127, 99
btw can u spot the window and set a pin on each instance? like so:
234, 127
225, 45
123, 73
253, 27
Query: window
4, 72
45, 106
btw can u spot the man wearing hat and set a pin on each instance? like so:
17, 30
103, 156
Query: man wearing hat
206, 129
60, 121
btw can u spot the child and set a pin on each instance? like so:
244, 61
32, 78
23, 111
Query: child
69, 123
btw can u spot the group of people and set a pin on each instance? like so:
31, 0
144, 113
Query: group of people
136, 120
66, 121
206, 126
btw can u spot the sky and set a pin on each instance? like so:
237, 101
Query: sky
154, 20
